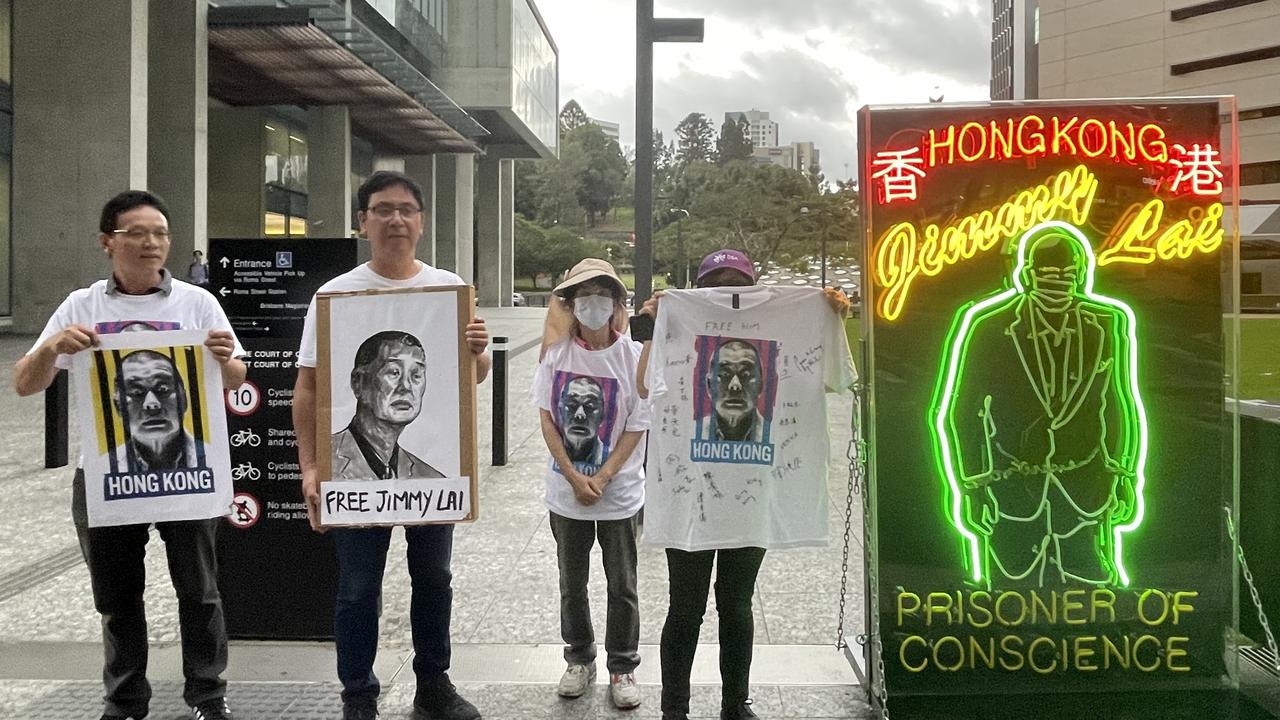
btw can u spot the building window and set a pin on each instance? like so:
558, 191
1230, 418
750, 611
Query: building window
1205, 8
284, 164
1255, 55
1260, 173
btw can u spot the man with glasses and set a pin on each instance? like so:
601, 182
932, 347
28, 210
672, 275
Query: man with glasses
391, 217
140, 292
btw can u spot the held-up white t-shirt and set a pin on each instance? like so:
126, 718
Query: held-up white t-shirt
362, 277
591, 395
738, 447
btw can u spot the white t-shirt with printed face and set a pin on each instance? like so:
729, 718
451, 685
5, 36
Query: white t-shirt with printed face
184, 307
739, 442
591, 395
362, 277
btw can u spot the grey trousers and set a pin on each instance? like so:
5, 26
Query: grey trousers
574, 540
116, 571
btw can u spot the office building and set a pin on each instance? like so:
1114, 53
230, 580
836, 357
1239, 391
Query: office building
762, 132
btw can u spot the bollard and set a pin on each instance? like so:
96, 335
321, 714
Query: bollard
56, 399
499, 372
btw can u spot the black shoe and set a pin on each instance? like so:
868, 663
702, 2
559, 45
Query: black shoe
738, 712
360, 709
670, 715
109, 716
438, 699
215, 709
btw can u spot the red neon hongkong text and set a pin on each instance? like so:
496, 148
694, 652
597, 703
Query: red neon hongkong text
1035, 136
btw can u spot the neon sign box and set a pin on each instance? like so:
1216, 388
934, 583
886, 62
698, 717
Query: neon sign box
1045, 290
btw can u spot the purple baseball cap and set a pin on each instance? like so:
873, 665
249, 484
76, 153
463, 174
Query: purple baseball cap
727, 258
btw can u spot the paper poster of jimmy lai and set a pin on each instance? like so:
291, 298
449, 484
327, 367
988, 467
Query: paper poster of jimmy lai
735, 388
398, 429
153, 429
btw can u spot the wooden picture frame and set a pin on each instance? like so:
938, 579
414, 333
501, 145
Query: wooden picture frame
334, 354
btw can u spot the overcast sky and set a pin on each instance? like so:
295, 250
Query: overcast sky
810, 63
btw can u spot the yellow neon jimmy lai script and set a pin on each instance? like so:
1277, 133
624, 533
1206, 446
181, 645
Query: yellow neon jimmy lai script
904, 252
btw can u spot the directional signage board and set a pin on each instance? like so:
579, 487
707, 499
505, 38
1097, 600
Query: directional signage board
278, 577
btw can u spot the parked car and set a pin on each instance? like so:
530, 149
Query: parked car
517, 300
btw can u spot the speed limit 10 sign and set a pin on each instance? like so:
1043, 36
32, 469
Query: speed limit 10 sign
245, 399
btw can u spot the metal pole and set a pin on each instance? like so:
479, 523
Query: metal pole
499, 372
824, 258
55, 421
682, 277
644, 151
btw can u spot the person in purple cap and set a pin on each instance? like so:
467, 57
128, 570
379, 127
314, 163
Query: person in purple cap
689, 573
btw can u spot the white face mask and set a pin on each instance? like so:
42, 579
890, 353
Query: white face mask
593, 311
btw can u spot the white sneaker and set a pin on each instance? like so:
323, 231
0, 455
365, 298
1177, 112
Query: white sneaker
575, 680
623, 691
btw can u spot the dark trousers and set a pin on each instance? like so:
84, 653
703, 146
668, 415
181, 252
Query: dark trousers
118, 576
362, 557
690, 579
574, 540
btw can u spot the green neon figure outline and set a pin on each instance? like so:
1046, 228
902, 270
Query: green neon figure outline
1123, 511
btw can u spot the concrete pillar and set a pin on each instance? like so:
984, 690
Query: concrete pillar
507, 231
329, 172
80, 136
177, 123
422, 168
455, 208
235, 173
489, 258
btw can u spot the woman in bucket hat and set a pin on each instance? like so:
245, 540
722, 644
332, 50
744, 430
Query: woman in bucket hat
592, 421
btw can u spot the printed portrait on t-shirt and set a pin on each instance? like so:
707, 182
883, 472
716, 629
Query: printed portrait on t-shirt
121, 326
586, 409
735, 384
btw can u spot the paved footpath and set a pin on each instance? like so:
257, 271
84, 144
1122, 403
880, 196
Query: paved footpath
507, 651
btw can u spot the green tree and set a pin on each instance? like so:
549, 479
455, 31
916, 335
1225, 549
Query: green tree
695, 140
551, 251
526, 187
572, 117
603, 174
733, 143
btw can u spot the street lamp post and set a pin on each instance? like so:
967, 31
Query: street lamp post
648, 31
682, 277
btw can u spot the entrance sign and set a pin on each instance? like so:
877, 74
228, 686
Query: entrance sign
1045, 338
267, 547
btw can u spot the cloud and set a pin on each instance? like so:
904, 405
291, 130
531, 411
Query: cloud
809, 99
951, 39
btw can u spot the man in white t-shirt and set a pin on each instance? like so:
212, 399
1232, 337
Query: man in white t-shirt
140, 293
391, 217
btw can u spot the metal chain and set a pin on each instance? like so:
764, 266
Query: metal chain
856, 454
1253, 591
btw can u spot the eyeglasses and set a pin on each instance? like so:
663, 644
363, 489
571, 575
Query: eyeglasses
385, 212
140, 234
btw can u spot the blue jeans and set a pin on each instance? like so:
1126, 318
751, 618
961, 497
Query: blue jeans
362, 557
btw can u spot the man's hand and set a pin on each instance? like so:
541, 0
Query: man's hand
838, 300
73, 339
477, 335
583, 488
650, 306
222, 344
311, 497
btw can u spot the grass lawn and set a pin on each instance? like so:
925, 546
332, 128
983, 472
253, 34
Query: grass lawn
1260, 357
